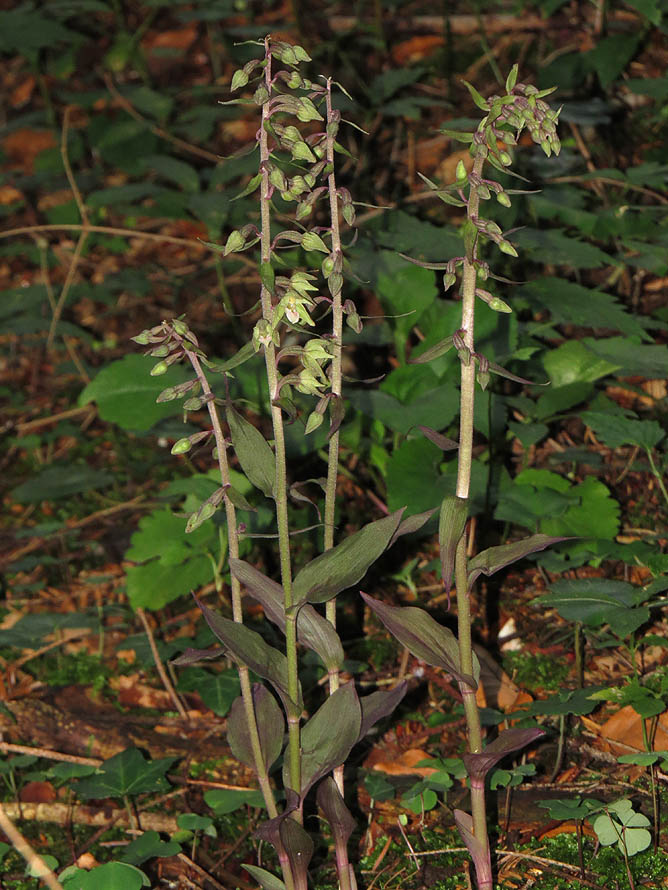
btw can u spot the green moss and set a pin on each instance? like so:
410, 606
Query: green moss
535, 671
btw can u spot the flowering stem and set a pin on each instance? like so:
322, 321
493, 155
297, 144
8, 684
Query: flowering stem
237, 614
467, 400
280, 487
337, 337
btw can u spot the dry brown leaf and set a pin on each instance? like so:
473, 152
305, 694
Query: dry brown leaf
23, 145
22, 93
37, 792
416, 48
9, 195
179, 38
622, 733
404, 764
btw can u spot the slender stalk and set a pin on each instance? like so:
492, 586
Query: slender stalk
333, 451
280, 487
237, 612
467, 400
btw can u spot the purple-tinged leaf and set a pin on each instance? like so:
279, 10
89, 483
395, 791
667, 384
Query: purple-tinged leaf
412, 524
294, 848
501, 372
246, 352
270, 726
380, 704
441, 441
459, 135
337, 411
254, 452
479, 851
451, 525
495, 558
424, 637
299, 849
313, 630
436, 267
194, 656
336, 812
433, 352
328, 736
247, 647
264, 878
346, 564
478, 765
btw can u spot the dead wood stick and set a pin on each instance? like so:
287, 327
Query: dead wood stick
37, 865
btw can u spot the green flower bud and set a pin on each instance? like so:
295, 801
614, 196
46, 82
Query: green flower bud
349, 214
142, 339
300, 54
503, 199
505, 158
304, 209
448, 280
483, 379
159, 369
277, 179
328, 266
234, 243
311, 241
499, 305
355, 322
193, 404
507, 247
240, 79
294, 81
301, 152
314, 421
261, 95
181, 446
460, 171
306, 111
160, 351
180, 327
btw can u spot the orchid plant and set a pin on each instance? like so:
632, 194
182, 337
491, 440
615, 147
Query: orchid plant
300, 335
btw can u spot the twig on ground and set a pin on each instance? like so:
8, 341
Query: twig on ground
37, 865
166, 682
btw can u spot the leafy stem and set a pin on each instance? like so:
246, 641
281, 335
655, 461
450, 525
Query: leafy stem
280, 486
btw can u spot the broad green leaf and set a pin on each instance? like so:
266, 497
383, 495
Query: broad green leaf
110, 876
313, 630
264, 878
567, 809
574, 363
173, 563
346, 564
126, 394
597, 601
611, 56
572, 304
595, 516
405, 289
616, 430
254, 452
148, 845
436, 407
226, 800
217, 690
125, 774
173, 170
494, 558
424, 637
60, 481
270, 725
323, 749
562, 250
